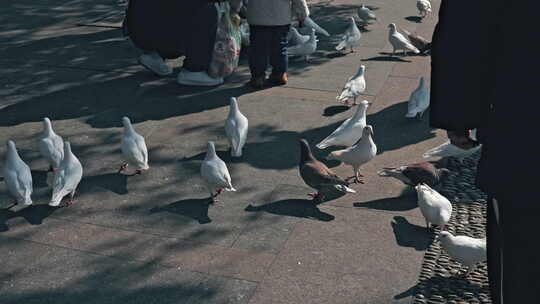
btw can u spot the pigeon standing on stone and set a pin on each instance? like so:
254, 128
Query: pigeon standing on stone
359, 154
354, 86
350, 131
351, 37
67, 177
317, 175
215, 174
294, 37
414, 174
464, 249
419, 42
51, 145
435, 208
17, 176
424, 7
311, 24
366, 14
236, 128
419, 101
399, 42
133, 148
304, 49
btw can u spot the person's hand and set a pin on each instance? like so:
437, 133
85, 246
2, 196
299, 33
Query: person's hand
461, 139
235, 19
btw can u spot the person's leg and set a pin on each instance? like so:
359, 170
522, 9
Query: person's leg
494, 246
278, 54
258, 54
521, 261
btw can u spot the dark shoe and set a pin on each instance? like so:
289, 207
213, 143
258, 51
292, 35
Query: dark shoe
278, 79
256, 82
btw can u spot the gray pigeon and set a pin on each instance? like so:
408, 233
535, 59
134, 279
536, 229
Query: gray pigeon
424, 7
351, 37
366, 14
17, 176
311, 24
419, 101
362, 152
236, 128
133, 148
435, 208
294, 37
215, 174
418, 41
466, 250
51, 145
304, 49
399, 42
317, 175
67, 177
414, 174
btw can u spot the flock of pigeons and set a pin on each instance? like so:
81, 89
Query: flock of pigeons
353, 133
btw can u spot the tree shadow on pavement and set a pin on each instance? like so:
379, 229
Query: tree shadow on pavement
196, 209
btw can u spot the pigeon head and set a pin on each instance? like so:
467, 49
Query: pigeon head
351, 20
234, 104
422, 81
443, 172
444, 236
392, 26
367, 131
361, 69
305, 151
10, 145
421, 187
210, 150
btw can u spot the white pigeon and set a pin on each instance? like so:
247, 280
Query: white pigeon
435, 208
399, 42
447, 149
244, 33
133, 148
294, 37
359, 154
67, 177
419, 101
310, 23
215, 174
424, 7
304, 49
354, 86
17, 176
236, 128
350, 131
366, 14
51, 145
464, 249
351, 37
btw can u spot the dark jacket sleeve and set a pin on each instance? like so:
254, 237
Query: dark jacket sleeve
462, 69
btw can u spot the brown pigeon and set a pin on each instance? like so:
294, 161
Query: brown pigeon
414, 174
317, 175
418, 41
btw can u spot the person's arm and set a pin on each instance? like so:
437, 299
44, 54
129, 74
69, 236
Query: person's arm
462, 66
300, 10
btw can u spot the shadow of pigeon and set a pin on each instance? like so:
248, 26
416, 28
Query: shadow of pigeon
416, 19
293, 207
336, 54
113, 182
410, 235
333, 110
34, 214
387, 57
196, 209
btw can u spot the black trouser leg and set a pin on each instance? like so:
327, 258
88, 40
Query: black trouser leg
202, 36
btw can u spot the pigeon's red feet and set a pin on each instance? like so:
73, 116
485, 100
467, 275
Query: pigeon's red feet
316, 195
123, 167
358, 181
70, 202
138, 172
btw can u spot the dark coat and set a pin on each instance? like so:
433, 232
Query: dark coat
485, 76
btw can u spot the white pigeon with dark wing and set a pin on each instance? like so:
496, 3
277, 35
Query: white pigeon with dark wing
424, 7
214, 173
133, 148
350, 131
400, 42
304, 49
295, 37
435, 208
447, 149
464, 249
236, 128
310, 23
359, 154
17, 176
67, 177
351, 37
354, 86
421, 43
51, 145
419, 101
366, 14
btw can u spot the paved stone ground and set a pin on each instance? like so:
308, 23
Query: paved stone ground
152, 238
